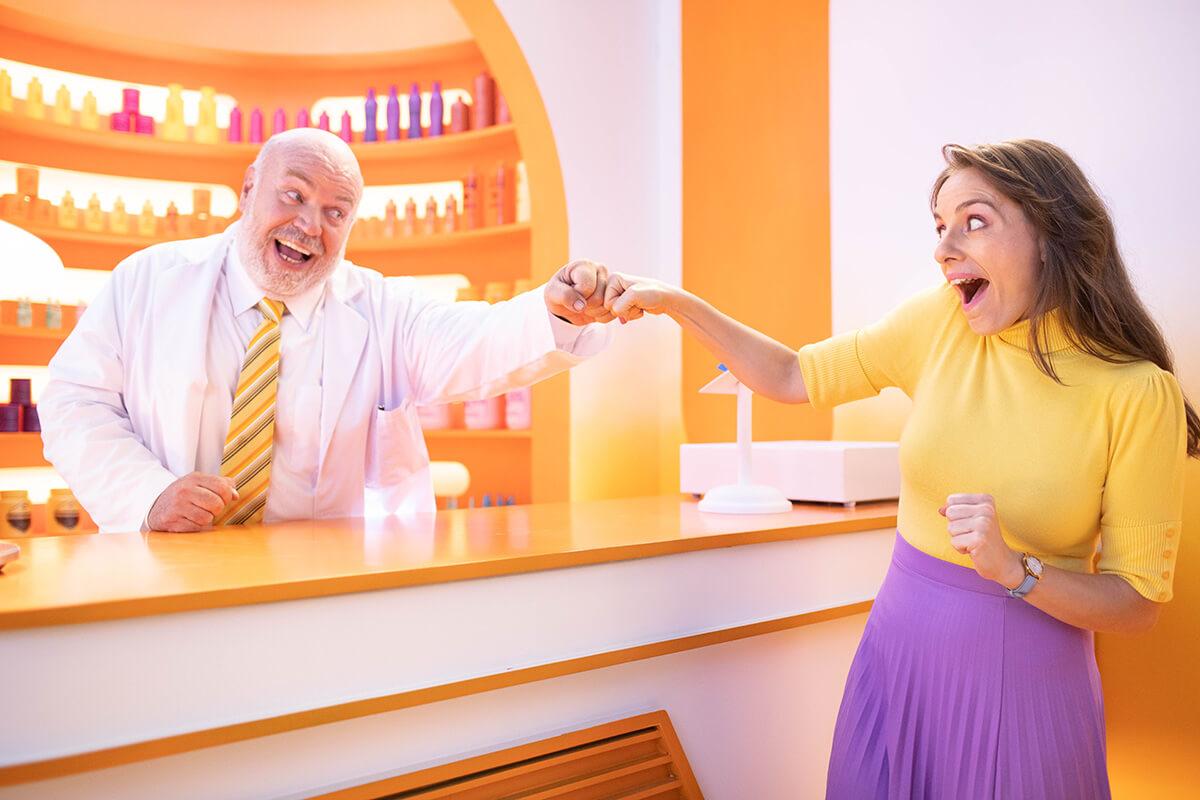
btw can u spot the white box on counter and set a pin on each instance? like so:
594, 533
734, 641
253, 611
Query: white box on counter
805, 471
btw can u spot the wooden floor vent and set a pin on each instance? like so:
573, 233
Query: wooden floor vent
638, 758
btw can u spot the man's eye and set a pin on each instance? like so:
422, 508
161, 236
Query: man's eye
292, 194
337, 213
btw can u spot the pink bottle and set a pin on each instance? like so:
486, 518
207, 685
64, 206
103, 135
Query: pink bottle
302, 118
485, 102
484, 415
130, 101
323, 121
145, 124
518, 409
256, 126
460, 116
279, 124
346, 133
503, 115
235, 125
119, 121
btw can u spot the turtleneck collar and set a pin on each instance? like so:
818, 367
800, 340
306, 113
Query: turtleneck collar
1052, 331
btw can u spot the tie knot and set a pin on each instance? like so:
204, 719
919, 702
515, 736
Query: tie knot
272, 309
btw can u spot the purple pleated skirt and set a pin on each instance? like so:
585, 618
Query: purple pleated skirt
960, 692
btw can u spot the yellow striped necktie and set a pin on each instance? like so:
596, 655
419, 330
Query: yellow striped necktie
247, 454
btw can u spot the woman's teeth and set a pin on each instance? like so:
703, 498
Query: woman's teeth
969, 288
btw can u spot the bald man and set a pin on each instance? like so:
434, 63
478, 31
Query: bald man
257, 375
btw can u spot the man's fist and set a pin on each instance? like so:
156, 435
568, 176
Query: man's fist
576, 293
191, 503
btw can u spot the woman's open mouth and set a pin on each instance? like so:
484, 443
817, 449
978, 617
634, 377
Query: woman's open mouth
291, 253
972, 291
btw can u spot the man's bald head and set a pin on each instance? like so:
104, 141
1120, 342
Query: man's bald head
298, 202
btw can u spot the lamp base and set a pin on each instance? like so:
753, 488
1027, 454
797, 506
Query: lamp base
745, 499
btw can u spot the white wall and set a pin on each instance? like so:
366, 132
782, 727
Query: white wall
1114, 83
609, 75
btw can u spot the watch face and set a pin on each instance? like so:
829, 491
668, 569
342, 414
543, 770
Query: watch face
1034, 565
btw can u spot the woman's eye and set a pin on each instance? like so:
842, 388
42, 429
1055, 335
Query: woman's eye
974, 223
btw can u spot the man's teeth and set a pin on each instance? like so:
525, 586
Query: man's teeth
295, 247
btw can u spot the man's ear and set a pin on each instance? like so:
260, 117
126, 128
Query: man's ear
247, 189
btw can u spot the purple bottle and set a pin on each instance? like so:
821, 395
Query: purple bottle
256, 126
302, 118
414, 112
435, 110
323, 121
393, 116
346, 134
279, 125
235, 124
371, 132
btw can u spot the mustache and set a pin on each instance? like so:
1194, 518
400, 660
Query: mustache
293, 234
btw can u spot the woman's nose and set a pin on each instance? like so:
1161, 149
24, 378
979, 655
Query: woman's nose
947, 249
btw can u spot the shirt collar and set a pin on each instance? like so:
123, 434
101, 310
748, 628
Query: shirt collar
1052, 331
244, 293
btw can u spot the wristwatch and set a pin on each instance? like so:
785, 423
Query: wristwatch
1033, 574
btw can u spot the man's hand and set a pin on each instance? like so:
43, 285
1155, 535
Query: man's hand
576, 293
191, 503
629, 298
974, 531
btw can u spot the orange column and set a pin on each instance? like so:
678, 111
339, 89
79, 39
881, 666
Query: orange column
756, 191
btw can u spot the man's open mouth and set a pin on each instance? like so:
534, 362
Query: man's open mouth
291, 252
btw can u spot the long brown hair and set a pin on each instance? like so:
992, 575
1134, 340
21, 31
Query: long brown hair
1083, 273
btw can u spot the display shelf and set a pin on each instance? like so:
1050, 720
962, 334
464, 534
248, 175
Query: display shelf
412, 255
37, 525
462, 434
21, 450
33, 346
44, 143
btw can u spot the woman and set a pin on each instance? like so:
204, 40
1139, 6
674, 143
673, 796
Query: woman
1046, 425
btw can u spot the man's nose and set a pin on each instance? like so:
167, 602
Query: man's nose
309, 224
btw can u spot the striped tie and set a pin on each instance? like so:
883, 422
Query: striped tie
247, 454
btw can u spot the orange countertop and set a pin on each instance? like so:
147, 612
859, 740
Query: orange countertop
73, 579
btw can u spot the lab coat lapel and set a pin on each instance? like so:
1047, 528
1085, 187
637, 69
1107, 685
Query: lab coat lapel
182, 351
345, 341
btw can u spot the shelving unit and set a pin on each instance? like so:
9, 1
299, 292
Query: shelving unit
51, 144
530, 464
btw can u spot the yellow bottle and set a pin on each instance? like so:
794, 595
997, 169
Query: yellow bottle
410, 217
389, 218
206, 122
62, 106
173, 128
431, 216
88, 118
118, 220
147, 222
6, 97
93, 218
68, 216
35, 107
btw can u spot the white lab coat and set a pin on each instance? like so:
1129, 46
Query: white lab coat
121, 413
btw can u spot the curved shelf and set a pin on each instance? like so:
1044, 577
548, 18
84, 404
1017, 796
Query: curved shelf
495, 253
21, 450
46, 143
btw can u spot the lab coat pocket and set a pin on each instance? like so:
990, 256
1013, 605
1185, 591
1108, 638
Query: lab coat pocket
396, 449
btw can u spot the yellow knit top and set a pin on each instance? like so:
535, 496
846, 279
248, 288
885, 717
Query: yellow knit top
1095, 462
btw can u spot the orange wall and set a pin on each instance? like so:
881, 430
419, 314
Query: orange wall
756, 198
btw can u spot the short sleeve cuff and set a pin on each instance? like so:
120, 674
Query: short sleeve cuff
1144, 556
